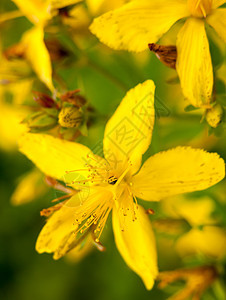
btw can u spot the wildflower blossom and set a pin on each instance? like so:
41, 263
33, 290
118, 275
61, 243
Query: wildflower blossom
133, 26
114, 182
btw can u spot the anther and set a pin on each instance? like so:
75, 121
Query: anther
112, 180
150, 211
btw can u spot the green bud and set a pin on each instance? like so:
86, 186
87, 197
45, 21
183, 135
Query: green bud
41, 121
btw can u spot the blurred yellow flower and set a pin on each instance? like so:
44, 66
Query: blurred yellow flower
37, 54
10, 127
37, 11
133, 26
32, 46
30, 186
114, 183
13, 113
210, 241
205, 237
40, 11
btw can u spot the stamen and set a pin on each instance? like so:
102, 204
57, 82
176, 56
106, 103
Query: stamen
63, 197
203, 10
197, 4
96, 214
96, 241
58, 186
136, 203
48, 211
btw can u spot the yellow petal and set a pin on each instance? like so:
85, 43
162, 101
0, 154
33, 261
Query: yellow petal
56, 4
55, 156
176, 171
217, 20
37, 11
38, 55
210, 241
100, 6
200, 8
10, 122
81, 251
60, 230
136, 243
138, 23
197, 211
128, 133
217, 3
30, 187
194, 64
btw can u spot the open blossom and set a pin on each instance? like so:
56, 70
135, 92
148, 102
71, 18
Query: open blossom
114, 183
138, 23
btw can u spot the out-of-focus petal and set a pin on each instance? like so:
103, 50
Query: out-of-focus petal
210, 241
217, 20
38, 55
37, 11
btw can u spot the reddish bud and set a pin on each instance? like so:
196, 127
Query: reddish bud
44, 100
73, 98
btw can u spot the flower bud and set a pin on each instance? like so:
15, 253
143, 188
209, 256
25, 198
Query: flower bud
40, 121
44, 100
73, 98
70, 117
214, 115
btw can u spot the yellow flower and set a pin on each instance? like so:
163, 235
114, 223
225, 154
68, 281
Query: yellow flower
32, 45
133, 26
115, 182
12, 114
205, 237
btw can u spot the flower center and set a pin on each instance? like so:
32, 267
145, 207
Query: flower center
112, 180
200, 8
105, 187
